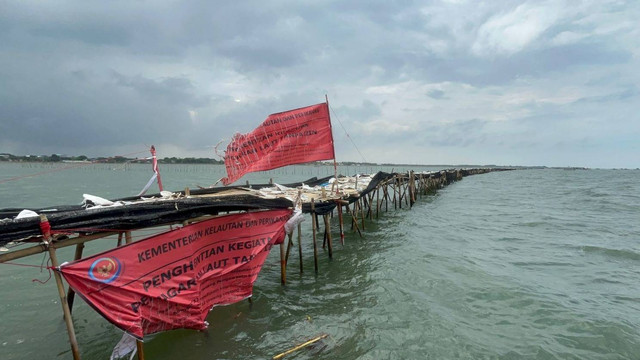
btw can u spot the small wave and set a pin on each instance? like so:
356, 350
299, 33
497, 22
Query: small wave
534, 223
540, 263
509, 239
616, 253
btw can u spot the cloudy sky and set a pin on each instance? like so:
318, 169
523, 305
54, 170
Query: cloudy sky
427, 82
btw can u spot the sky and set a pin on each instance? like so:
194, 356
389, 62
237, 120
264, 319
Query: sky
553, 83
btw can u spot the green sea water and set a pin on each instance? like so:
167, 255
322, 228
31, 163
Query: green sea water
527, 264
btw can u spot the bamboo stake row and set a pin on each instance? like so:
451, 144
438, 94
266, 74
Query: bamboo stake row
398, 188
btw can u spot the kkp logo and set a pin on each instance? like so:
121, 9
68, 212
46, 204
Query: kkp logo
105, 269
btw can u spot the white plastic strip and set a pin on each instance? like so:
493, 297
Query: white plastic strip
146, 187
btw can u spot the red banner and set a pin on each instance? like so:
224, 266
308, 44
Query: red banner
286, 138
172, 280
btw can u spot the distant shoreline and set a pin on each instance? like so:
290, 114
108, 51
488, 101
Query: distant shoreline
82, 159
57, 158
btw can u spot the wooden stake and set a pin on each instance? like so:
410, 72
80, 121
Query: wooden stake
399, 179
362, 212
283, 265
412, 189
378, 202
341, 224
385, 193
289, 245
353, 218
327, 229
140, 346
70, 293
324, 236
63, 299
395, 192
315, 245
300, 246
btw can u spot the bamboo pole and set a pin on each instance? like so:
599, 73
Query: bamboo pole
378, 202
119, 240
353, 218
300, 246
365, 204
324, 236
298, 347
283, 265
362, 213
400, 192
313, 225
70, 293
412, 189
385, 193
395, 192
289, 246
327, 229
140, 347
341, 224
63, 301
405, 189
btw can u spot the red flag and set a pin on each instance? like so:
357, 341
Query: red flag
172, 280
286, 138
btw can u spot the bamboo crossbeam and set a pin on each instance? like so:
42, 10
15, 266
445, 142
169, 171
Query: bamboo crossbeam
56, 244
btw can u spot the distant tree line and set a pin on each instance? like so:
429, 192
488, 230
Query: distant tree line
41, 158
116, 159
189, 160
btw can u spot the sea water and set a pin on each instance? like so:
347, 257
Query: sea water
526, 264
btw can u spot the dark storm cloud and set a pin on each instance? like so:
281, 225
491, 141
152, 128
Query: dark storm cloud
462, 133
628, 94
176, 90
87, 31
500, 71
87, 74
365, 111
435, 94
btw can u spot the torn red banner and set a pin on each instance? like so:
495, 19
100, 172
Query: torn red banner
172, 280
291, 137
